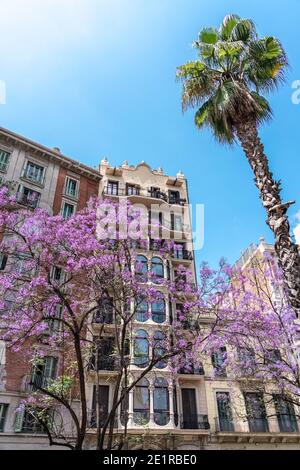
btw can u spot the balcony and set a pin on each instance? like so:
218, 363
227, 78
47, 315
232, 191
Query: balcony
92, 419
144, 193
285, 424
103, 317
32, 382
28, 200
191, 370
182, 255
194, 422
104, 364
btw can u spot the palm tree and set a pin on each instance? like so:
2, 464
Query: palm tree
235, 66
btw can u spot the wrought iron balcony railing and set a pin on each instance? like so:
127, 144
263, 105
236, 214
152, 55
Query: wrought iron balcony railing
192, 370
183, 255
28, 201
34, 382
104, 364
149, 193
194, 421
103, 316
279, 424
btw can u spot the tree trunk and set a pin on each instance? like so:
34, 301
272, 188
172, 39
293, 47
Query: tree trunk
286, 251
82, 433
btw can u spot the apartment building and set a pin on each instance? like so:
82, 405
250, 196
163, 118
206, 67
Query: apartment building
189, 410
194, 409
163, 411
44, 178
242, 416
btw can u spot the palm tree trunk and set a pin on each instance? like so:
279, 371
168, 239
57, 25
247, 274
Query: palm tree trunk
286, 251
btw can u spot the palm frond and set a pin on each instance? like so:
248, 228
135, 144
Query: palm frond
229, 22
244, 30
234, 68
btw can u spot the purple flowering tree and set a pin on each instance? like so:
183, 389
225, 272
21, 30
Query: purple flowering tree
257, 335
66, 285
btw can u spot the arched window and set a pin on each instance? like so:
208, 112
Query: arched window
141, 267
141, 402
161, 402
157, 268
159, 349
141, 310
158, 310
141, 349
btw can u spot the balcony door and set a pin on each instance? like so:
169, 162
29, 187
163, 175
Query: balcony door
256, 412
113, 188
189, 408
103, 400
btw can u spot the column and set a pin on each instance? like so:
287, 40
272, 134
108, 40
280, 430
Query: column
165, 269
151, 392
171, 404
179, 401
130, 409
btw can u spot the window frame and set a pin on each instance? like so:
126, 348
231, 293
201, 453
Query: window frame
22, 198
4, 164
142, 384
37, 166
161, 265
113, 187
64, 204
159, 313
159, 385
3, 416
142, 336
77, 184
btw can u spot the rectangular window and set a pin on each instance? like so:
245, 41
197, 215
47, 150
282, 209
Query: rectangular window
224, 412
286, 417
178, 224
256, 412
100, 404
4, 160
272, 357
54, 324
27, 422
23, 265
174, 197
34, 172
67, 210
189, 409
105, 313
132, 190
3, 414
28, 197
247, 361
218, 361
44, 372
102, 358
71, 188
179, 250
56, 274
113, 188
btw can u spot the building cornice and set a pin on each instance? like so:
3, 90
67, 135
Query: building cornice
52, 154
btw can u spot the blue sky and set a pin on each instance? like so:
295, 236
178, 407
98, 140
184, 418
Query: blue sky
97, 78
